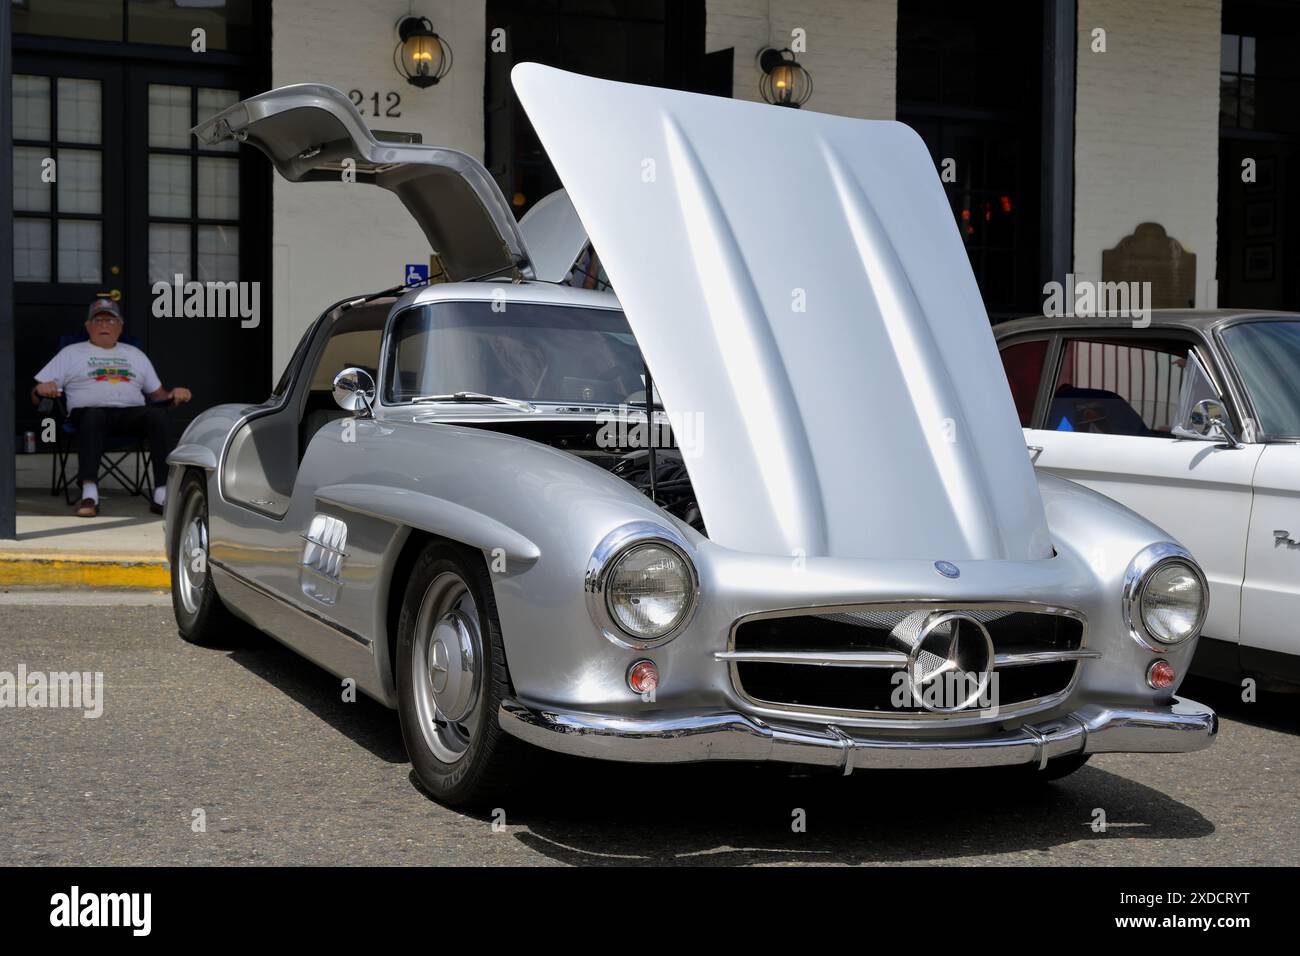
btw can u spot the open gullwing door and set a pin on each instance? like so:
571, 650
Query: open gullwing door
309, 130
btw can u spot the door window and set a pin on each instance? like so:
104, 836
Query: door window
1118, 386
58, 187
1196, 387
1023, 363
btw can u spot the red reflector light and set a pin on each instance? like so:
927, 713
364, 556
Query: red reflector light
1161, 674
643, 677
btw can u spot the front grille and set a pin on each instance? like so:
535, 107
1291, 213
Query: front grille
849, 660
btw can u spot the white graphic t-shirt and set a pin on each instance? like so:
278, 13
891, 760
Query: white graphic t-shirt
111, 378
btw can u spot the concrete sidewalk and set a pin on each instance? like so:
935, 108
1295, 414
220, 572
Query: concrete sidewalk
122, 548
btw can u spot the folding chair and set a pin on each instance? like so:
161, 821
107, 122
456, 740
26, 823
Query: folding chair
117, 450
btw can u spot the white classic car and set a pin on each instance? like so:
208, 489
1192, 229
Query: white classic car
850, 563
1193, 422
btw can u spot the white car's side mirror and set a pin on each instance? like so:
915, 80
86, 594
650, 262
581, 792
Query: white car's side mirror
354, 391
1208, 421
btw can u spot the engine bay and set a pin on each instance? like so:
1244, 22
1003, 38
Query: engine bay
620, 447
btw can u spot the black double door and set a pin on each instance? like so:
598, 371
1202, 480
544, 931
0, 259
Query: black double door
111, 195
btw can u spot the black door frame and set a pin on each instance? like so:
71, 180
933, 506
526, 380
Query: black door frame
8, 427
249, 73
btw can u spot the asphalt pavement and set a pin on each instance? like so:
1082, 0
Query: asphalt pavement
249, 754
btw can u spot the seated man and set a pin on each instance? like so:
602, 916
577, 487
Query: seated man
107, 382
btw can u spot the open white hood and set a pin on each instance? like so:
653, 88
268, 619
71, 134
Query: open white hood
799, 288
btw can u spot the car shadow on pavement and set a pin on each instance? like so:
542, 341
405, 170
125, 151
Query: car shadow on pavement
1270, 710
599, 813
365, 721
742, 815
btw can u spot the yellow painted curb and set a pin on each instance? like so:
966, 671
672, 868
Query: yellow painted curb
74, 571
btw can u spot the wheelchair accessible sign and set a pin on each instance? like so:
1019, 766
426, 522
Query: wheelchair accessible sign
416, 273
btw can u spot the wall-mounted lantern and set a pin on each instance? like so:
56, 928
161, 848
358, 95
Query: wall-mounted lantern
421, 56
784, 82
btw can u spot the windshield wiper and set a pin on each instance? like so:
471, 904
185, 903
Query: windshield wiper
477, 398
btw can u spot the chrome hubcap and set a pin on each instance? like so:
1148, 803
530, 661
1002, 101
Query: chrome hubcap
192, 561
447, 667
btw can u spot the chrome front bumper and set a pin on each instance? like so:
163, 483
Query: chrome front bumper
1182, 727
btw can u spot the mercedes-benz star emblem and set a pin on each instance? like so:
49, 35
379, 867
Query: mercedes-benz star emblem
947, 569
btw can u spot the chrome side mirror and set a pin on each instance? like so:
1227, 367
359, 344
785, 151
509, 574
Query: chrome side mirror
354, 391
1208, 420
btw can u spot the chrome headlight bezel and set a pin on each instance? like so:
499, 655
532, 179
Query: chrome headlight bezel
612, 549
1139, 574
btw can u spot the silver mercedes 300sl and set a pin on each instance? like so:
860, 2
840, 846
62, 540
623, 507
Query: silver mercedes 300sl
767, 499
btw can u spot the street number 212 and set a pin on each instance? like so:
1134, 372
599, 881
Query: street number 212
391, 99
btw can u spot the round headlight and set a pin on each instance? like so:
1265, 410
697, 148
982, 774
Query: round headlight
641, 585
1172, 601
649, 591
1165, 596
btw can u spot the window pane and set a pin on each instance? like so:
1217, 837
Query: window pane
226, 24
169, 252
169, 186
80, 180
31, 250
218, 253
80, 251
212, 102
218, 188
1229, 61
30, 194
76, 19
169, 116
31, 102
1268, 355
79, 111
1024, 367
1248, 55
1118, 389
1227, 100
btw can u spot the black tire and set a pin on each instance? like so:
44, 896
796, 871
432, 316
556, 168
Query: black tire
1057, 768
201, 618
491, 760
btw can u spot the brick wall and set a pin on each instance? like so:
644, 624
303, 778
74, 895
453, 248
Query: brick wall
1146, 129
332, 239
852, 48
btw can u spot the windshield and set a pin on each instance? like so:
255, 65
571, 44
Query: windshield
534, 352
1267, 356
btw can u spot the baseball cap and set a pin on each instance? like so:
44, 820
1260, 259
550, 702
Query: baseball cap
100, 306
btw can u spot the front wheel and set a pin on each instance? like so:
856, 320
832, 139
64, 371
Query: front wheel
452, 677
1057, 768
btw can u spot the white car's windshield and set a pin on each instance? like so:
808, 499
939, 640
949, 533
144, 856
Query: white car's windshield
1267, 356
513, 350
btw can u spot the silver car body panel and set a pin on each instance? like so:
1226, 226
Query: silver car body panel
310, 131
321, 572
834, 347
